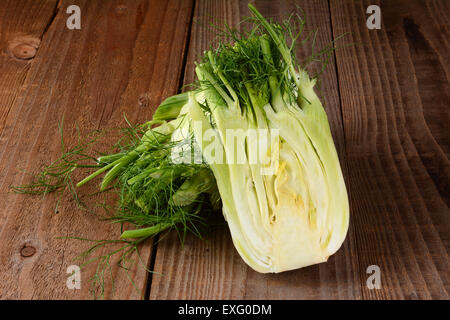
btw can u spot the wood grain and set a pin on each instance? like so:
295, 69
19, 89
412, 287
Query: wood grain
22, 25
127, 56
211, 268
395, 97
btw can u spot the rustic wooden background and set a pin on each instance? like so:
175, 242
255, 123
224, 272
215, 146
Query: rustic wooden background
387, 99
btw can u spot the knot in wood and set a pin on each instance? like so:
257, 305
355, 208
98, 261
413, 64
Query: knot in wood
24, 51
27, 251
24, 48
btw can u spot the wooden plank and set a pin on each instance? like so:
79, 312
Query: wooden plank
211, 268
395, 98
124, 60
22, 25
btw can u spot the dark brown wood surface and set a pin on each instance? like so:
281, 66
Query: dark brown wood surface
395, 104
125, 58
386, 96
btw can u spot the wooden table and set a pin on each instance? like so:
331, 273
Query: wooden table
387, 99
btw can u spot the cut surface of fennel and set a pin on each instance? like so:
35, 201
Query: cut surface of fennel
297, 216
